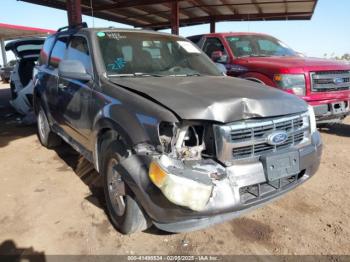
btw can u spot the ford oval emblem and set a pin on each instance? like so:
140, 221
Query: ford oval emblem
277, 138
338, 81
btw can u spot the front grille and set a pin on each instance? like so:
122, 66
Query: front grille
260, 131
260, 149
324, 81
249, 139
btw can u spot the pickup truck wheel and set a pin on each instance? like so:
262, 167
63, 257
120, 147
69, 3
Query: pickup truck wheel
46, 137
124, 211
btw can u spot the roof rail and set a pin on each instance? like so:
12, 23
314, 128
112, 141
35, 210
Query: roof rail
70, 27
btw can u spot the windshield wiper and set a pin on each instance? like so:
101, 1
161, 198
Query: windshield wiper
147, 74
194, 74
136, 74
255, 55
185, 75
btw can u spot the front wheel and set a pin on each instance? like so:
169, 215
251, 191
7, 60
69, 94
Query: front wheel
125, 213
46, 137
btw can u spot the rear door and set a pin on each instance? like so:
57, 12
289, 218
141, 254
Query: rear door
51, 77
75, 95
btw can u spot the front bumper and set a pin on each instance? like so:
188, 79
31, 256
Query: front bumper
332, 111
232, 196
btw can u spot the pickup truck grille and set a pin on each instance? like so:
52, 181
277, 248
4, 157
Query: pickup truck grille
325, 81
249, 139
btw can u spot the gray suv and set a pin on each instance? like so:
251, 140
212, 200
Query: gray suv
179, 145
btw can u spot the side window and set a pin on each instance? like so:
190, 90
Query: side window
213, 44
78, 49
58, 51
45, 51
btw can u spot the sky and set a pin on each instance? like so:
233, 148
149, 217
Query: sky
328, 32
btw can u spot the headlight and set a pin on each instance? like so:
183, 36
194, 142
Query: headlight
294, 82
313, 127
179, 189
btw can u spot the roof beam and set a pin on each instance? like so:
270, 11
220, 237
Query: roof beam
152, 12
257, 6
201, 6
237, 17
229, 5
134, 3
285, 6
86, 10
181, 10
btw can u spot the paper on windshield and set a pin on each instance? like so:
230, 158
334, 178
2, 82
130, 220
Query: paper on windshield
190, 48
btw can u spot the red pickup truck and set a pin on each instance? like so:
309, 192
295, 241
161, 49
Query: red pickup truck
324, 84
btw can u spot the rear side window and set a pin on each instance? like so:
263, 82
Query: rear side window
45, 51
78, 50
58, 51
213, 44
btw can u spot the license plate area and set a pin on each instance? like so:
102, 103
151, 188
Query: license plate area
339, 107
281, 165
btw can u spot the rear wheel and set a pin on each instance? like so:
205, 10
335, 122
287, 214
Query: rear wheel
125, 213
46, 137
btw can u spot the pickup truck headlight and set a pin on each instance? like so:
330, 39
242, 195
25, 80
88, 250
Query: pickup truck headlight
294, 82
179, 190
313, 127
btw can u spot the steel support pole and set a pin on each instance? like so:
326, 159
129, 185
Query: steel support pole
74, 12
3, 52
175, 24
212, 26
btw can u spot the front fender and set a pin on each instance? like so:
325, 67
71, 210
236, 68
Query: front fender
260, 77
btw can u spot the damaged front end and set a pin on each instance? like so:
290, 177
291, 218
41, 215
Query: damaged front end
220, 168
185, 171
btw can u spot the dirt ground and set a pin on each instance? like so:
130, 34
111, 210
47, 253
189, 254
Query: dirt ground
51, 203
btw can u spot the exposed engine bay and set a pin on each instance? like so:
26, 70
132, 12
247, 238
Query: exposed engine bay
188, 141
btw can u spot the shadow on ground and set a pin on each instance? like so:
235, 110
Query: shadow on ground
9, 252
336, 129
85, 171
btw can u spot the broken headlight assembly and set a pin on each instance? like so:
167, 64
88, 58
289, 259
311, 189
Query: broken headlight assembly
184, 170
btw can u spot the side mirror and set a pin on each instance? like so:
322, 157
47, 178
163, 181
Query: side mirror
218, 57
73, 69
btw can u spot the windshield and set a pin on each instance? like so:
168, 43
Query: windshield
145, 54
258, 45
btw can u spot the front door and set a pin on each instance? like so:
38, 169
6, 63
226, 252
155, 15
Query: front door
75, 95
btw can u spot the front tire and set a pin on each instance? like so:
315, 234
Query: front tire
46, 137
125, 213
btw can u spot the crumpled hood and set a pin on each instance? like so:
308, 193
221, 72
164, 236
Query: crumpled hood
222, 99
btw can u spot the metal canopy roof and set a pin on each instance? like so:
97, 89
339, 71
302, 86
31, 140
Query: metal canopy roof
8, 32
157, 13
